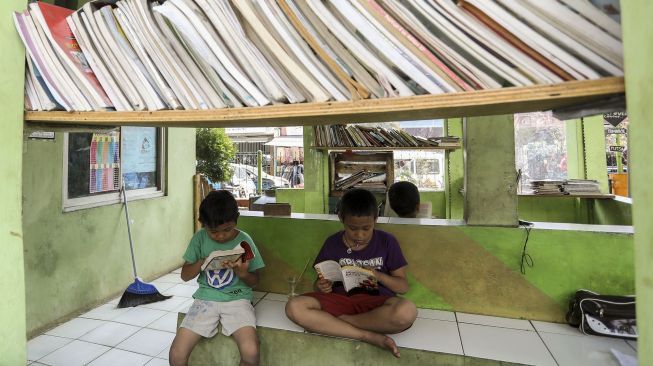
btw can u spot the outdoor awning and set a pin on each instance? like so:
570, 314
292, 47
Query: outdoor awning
287, 141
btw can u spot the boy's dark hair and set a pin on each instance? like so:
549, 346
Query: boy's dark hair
358, 202
217, 208
404, 198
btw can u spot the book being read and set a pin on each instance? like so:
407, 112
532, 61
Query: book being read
217, 258
352, 277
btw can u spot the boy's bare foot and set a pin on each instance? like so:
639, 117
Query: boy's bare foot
382, 341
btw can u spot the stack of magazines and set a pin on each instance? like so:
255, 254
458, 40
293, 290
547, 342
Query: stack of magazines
152, 55
547, 186
581, 186
565, 187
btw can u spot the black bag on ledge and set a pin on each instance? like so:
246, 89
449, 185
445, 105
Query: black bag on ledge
603, 315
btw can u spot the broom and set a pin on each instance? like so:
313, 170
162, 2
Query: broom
139, 292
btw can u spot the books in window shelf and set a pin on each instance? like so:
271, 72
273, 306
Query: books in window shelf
446, 141
362, 136
351, 277
216, 260
361, 179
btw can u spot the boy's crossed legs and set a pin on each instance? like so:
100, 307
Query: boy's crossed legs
237, 319
394, 316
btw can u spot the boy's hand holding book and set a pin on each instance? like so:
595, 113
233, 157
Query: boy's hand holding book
239, 266
220, 259
324, 285
351, 277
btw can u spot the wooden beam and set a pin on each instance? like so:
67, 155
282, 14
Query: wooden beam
467, 104
385, 148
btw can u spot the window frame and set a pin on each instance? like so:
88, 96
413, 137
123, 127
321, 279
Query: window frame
110, 198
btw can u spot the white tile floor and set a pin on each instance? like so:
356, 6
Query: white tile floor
142, 335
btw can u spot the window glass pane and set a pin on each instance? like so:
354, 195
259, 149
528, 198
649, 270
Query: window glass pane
79, 146
96, 160
93, 163
139, 157
540, 147
424, 168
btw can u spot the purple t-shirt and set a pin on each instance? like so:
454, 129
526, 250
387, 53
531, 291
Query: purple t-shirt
383, 253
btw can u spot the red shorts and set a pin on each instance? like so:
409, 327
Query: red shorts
338, 304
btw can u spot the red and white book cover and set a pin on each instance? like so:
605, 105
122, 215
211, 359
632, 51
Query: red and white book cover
52, 19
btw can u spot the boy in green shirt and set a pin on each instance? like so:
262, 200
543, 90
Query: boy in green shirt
224, 296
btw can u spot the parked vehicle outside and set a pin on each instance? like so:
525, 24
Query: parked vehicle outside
268, 181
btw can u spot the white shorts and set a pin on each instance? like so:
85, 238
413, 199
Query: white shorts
204, 316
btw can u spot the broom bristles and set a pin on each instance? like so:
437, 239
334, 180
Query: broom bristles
140, 293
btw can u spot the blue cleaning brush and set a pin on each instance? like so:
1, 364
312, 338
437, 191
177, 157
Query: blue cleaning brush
139, 292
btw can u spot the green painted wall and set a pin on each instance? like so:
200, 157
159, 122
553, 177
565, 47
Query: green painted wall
575, 149
293, 196
554, 209
638, 51
316, 176
612, 212
597, 167
12, 279
455, 201
438, 201
84, 255
490, 174
469, 269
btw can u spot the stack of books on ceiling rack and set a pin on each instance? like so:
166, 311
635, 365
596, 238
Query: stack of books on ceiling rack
381, 137
574, 187
133, 55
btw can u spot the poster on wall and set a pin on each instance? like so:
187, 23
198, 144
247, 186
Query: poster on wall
104, 172
139, 158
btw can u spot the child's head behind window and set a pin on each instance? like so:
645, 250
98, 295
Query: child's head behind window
404, 199
358, 202
219, 215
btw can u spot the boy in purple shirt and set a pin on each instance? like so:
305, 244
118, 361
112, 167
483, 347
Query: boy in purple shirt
362, 315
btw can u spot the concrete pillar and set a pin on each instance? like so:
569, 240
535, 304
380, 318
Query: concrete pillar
596, 164
455, 171
12, 272
575, 149
490, 174
316, 176
638, 51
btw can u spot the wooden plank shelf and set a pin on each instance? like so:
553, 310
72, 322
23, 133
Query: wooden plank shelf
467, 104
384, 148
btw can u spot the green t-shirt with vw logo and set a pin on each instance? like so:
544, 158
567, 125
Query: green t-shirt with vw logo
221, 285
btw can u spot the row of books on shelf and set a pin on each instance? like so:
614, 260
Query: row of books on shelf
203, 54
364, 136
565, 187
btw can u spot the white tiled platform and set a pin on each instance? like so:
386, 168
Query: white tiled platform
142, 335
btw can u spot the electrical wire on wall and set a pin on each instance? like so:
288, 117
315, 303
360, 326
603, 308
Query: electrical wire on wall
526, 259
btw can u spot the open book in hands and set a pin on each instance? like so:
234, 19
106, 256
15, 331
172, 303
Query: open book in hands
216, 260
351, 277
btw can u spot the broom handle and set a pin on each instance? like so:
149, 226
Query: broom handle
129, 228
